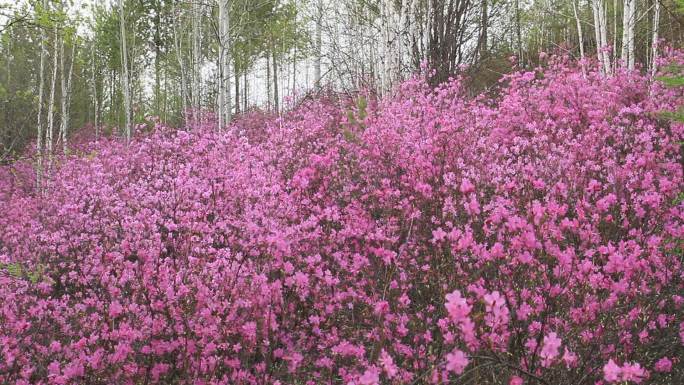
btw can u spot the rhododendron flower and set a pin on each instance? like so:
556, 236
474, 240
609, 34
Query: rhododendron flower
633, 372
370, 377
456, 361
515, 380
293, 247
388, 364
457, 306
550, 347
663, 365
612, 372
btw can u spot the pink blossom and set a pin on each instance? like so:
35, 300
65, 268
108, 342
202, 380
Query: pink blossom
663, 365
456, 361
612, 372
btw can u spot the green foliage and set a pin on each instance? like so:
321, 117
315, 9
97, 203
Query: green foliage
673, 77
16, 270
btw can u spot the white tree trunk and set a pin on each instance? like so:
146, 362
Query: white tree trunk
224, 96
125, 83
96, 104
630, 34
177, 42
65, 97
654, 45
51, 105
628, 26
196, 60
319, 44
601, 32
41, 86
579, 31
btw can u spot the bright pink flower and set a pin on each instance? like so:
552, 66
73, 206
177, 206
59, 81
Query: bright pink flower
663, 365
456, 361
457, 306
370, 377
550, 347
387, 364
612, 372
633, 372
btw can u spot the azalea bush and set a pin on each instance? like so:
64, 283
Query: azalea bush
531, 237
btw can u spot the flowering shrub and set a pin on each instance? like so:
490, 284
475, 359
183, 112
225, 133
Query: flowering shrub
530, 238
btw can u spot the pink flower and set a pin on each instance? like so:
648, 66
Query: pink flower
388, 364
370, 377
515, 380
456, 361
633, 372
611, 371
550, 347
466, 186
457, 306
663, 365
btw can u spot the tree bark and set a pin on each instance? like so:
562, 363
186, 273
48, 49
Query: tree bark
125, 82
600, 30
225, 103
580, 37
276, 98
51, 105
96, 105
654, 44
177, 42
41, 86
319, 44
65, 97
196, 99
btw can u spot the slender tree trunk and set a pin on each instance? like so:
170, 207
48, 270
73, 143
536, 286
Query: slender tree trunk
276, 98
518, 33
41, 86
268, 81
177, 42
615, 33
244, 94
319, 44
125, 82
237, 93
67, 118
196, 100
65, 97
225, 104
654, 44
628, 25
96, 105
484, 25
51, 105
580, 37
600, 30
630, 34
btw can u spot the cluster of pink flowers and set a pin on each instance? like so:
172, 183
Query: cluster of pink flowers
532, 237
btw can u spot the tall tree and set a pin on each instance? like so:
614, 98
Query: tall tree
125, 81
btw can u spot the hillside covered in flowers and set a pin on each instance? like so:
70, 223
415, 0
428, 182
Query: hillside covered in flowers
530, 235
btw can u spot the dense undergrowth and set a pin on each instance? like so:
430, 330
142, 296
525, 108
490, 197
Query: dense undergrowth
534, 237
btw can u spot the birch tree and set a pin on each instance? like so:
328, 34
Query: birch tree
224, 97
125, 81
65, 95
628, 26
51, 103
196, 59
601, 31
654, 44
41, 86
